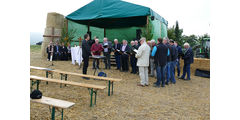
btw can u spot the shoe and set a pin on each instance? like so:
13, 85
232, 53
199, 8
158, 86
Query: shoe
162, 86
140, 85
131, 72
181, 78
157, 86
166, 83
86, 78
174, 82
146, 84
187, 79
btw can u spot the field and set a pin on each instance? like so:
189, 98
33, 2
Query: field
185, 100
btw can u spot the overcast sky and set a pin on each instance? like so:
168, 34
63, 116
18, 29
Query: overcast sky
193, 15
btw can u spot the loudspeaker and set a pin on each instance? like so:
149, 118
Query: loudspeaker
138, 34
152, 17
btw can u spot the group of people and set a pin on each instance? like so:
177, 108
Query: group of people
159, 59
57, 52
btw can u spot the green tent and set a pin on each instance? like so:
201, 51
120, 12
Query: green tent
115, 19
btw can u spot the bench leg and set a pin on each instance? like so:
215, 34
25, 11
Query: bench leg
38, 84
53, 113
112, 88
61, 79
109, 86
62, 114
65, 78
91, 95
46, 76
95, 101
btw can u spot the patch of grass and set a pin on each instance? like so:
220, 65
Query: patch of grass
35, 48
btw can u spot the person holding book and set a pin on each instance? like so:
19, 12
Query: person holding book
107, 47
116, 48
96, 49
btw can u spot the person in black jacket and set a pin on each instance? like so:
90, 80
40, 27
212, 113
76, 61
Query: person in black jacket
133, 59
160, 53
86, 52
173, 61
188, 60
63, 51
57, 53
116, 48
167, 70
179, 49
125, 49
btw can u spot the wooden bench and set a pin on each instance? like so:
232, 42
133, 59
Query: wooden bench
92, 88
54, 103
64, 74
47, 70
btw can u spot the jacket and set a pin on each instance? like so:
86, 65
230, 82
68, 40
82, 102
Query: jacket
86, 51
96, 49
118, 48
143, 54
160, 58
188, 56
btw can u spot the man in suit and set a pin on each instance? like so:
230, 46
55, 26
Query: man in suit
63, 51
133, 59
116, 48
188, 60
86, 52
125, 49
57, 52
160, 53
107, 48
142, 55
50, 51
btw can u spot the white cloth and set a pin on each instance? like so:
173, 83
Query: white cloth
143, 73
143, 54
76, 53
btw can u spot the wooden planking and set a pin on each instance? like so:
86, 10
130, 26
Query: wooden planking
53, 102
89, 76
67, 82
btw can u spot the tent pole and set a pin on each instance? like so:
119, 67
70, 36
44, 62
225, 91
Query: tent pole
104, 32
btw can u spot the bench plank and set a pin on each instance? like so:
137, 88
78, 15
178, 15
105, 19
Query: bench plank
40, 68
53, 102
77, 74
89, 76
67, 82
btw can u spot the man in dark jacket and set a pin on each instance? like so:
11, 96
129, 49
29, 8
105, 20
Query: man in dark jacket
63, 51
160, 53
179, 49
57, 52
107, 48
133, 59
125, 49
174, 54
116, 48
167, 70
188, 60
86, 52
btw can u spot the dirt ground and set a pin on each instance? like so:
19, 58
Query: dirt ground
185, 100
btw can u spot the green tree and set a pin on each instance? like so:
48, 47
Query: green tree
178, 34
147, 32
171, 33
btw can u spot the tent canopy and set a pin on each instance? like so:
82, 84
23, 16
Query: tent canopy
113, 14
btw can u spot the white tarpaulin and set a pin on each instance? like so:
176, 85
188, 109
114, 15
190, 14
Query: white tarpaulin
76, 53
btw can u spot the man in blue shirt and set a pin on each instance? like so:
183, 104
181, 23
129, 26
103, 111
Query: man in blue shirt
160, 53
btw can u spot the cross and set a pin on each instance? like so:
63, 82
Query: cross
52, 36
